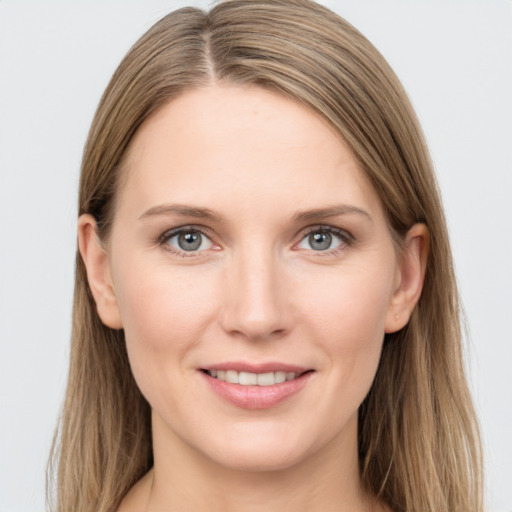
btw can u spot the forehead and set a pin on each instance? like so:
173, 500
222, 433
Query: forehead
213, 145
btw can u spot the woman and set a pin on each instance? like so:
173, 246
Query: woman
265, 312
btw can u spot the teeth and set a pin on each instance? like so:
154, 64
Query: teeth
232, 376
266, 379
281, 377
247, 379
252, 379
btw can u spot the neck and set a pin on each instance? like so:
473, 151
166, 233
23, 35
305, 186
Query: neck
184, 479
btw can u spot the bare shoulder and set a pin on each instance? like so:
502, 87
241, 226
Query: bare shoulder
137, 497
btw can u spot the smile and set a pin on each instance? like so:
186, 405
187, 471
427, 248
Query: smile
252, 379
266, 386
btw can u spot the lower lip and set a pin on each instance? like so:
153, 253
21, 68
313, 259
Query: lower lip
257, 397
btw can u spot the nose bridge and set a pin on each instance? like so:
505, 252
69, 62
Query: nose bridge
255, 304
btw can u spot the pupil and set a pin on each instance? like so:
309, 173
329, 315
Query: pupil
189, 241
320, 241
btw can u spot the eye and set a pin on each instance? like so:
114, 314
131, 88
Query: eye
324, 239
187, 240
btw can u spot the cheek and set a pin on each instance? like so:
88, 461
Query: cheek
159, 299
351, 300
347, 313
164, 312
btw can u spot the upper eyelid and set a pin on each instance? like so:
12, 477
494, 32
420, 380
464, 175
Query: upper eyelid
163, 239
324, 227
346, 239
181, 229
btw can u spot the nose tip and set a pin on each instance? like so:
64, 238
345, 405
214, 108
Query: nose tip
256, 306
257, 328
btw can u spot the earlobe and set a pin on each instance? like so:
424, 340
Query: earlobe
412, 268
95, 258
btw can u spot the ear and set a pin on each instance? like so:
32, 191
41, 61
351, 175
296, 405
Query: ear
95, 258
411, 274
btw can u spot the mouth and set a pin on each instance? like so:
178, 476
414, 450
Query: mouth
254, 379
256, 386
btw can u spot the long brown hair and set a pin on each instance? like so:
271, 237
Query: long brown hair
418, 437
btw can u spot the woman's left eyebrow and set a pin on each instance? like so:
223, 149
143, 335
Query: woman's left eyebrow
331, 211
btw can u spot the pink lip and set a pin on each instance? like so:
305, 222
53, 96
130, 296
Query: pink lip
257, 397
240, 366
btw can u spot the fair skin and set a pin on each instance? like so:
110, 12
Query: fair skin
284, 258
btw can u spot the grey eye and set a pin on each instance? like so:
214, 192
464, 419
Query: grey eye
189, 241
320, 241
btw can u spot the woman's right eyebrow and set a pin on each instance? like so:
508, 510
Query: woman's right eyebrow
183, 211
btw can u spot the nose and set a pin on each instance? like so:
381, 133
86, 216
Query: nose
257, 304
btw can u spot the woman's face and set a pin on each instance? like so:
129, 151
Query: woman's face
248, 246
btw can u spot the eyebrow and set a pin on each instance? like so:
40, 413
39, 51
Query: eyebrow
332, 211
183, 211
207, 214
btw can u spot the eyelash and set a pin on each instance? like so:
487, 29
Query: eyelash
165, 237
346, 238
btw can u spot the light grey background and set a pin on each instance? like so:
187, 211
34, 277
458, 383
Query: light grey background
454, 58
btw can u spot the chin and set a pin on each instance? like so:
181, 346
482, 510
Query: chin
259, 460
263, 449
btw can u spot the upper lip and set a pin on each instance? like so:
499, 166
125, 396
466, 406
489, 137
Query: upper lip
240, 366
